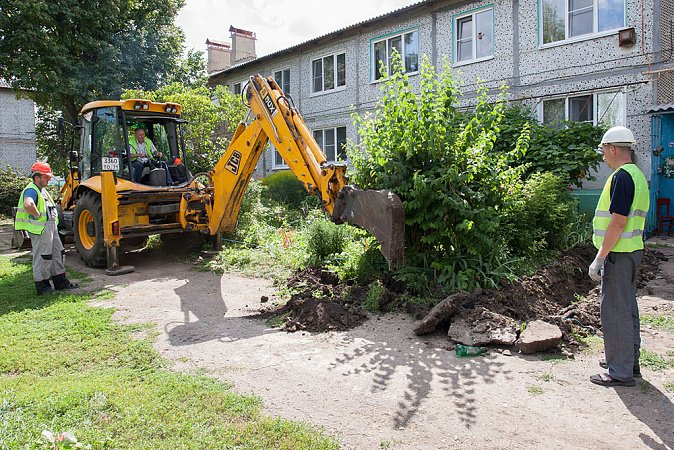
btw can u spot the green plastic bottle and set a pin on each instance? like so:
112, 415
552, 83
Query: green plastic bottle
468, 350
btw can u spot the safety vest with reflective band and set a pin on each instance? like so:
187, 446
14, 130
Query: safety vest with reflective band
134, 146
631, 238
24, 221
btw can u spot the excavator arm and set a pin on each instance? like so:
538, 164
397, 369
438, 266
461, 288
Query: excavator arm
275, 119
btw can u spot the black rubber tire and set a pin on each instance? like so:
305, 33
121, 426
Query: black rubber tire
93, 255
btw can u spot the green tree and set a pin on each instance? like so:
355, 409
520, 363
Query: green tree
212, 116
69, 52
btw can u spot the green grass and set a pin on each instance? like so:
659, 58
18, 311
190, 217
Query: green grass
660, 322
545, 376
655, 361
669, 387
534, 390
65, 366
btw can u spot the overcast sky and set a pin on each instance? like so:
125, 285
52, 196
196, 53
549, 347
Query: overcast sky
278, 24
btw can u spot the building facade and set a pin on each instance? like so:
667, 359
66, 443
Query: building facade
604, 61
17, 130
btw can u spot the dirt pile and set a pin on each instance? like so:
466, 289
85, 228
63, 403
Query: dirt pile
316, 304
560, 293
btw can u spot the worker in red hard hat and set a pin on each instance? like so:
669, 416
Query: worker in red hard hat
36, 213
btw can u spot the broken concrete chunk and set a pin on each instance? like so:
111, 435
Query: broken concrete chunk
441, 312
538, 337
482, 327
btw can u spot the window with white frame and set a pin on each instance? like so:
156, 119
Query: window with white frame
328, 73
278, 160
406, 44
606, 107
333, 142
567, 19
282, 78
474, 35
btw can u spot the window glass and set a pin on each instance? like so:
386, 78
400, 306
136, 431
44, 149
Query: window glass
580, 108
341, 143
610, 14
318, 137
318, 75
329, 143
554, 112
85, 146
278, 160
553, 20
286, 81
412, 52
108, 142
464, 41
611, 108
396, 44
237, 89
581, 15
379, 59
328, 73
341, 69
484, 34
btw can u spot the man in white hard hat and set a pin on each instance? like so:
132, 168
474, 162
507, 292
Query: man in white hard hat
618, 224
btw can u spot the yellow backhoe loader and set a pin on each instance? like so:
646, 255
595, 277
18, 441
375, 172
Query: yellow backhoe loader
102, 206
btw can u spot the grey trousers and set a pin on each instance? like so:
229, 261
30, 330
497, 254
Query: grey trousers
49, 256
620, 313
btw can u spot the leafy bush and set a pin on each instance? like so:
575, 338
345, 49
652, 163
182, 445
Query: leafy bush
325, 239
284, 187
540, 217
441, 164
568, 152
11, 186
360, 261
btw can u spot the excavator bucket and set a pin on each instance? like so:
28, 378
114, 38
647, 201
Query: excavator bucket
379, 212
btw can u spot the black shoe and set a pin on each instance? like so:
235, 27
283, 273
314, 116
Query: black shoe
62, 282
636, 370
43, 287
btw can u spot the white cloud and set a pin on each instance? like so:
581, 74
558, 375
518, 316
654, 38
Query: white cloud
278, 24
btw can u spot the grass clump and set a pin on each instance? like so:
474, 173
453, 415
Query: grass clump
67, 367
660, 322
655, 361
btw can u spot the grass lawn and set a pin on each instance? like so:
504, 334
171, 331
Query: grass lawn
67, 367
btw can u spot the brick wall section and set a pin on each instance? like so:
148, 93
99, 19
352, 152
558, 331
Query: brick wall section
17, 131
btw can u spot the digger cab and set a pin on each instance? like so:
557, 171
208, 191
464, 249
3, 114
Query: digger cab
109, 126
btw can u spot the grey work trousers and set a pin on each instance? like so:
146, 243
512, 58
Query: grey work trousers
49, 256
620, 313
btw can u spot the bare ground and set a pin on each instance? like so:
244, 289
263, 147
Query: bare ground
379, 385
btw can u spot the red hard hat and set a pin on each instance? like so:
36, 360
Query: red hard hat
41, 167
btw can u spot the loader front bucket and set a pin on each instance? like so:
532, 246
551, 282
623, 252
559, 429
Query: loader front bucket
379, 212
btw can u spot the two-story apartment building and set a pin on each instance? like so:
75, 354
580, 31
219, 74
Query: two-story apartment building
605, 61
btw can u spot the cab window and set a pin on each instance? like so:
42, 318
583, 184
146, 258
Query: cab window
107, 149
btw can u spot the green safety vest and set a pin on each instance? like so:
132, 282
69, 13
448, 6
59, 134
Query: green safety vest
148, 146
24, 221
631, 238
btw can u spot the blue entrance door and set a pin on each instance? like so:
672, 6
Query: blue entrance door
662, 163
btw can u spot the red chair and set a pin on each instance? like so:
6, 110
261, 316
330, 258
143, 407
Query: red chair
664, 220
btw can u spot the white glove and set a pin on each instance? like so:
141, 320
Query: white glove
595, 268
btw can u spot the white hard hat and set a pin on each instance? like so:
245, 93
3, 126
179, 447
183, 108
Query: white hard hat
618, 135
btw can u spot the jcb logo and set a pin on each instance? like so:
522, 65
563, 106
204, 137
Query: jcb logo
269, 103
233, 162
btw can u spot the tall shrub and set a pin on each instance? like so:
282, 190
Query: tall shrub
442, 165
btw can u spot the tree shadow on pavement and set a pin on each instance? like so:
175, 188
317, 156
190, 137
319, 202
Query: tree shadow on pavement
426, 366
654, 409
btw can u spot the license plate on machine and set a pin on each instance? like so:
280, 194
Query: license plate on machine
110, 163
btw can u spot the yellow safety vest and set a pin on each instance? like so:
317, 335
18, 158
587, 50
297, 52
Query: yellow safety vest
631, 238
24, 221
148, 146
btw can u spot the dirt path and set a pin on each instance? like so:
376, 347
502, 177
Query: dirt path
379, 385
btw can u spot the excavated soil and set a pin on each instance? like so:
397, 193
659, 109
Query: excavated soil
560, 293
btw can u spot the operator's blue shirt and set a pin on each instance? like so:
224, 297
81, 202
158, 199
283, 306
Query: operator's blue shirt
622, 193
32, 193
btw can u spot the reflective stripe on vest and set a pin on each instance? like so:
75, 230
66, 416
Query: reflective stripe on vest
24, 221
148, 146
631, 238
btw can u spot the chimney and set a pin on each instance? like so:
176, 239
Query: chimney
243, 45
219, 56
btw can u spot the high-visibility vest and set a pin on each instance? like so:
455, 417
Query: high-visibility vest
134, 146
24, 221
631, 238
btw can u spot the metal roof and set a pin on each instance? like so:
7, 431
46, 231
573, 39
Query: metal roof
665, 107
327, 35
